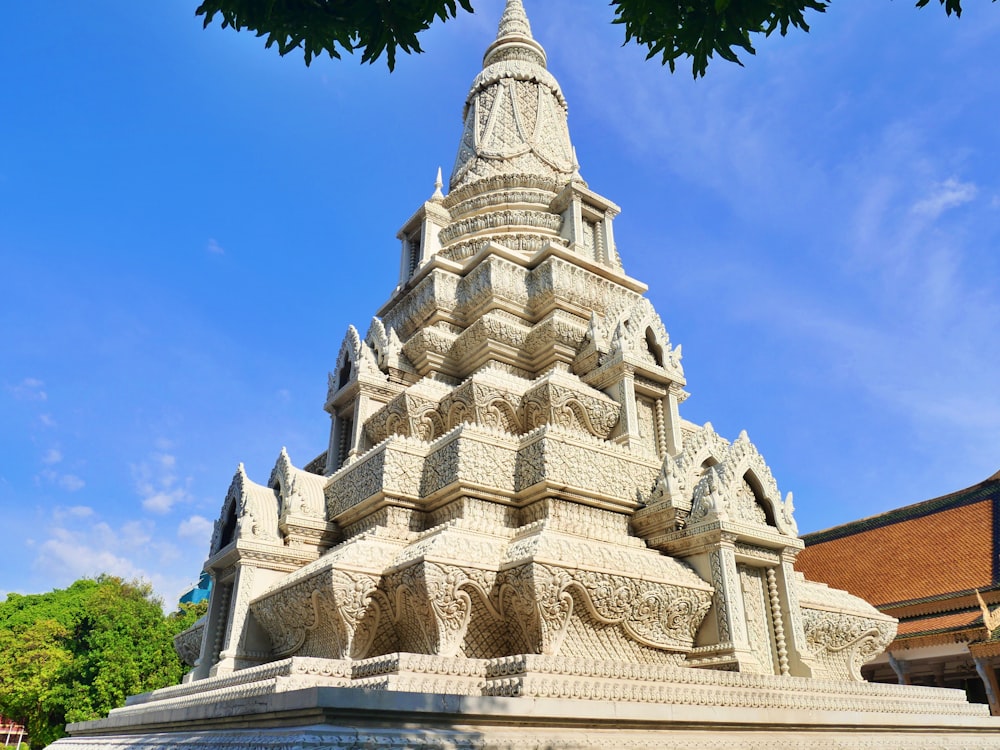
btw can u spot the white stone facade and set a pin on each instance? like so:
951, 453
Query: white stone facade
513, 520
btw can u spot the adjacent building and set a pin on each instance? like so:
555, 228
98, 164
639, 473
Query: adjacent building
933, 566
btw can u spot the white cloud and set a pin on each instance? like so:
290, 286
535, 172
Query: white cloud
71, 482
136, 534
197, 528
163, 502
214, 248
158, 485
62, 513
46, 420
67, 482
78, 545
945, 195
52, 456
29, 389
78, 554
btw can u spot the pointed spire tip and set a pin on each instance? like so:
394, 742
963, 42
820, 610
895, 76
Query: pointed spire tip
438, 184
514, 21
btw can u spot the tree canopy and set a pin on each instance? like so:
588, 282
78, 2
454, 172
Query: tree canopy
74, 654
669, 29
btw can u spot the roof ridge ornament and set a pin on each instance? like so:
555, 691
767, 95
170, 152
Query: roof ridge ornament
438, 196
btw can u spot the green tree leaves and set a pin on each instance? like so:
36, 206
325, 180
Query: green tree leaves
31, 663
329, 26
700, 29
74, 654
670, 29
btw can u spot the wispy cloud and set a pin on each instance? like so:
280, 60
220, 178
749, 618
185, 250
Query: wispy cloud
67, 482
945, 195
78, 544
158, 484
29, 389
71, 482
52, 456
61, 513
214, 248
197, 528
92, 551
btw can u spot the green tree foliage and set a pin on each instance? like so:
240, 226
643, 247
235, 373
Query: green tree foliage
669, 29
318, 26
74, 654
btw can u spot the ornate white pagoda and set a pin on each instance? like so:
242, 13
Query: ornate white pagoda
513, 538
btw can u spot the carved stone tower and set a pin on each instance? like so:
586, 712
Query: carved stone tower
508, 473
511, 506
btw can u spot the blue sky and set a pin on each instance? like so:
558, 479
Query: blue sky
188, 223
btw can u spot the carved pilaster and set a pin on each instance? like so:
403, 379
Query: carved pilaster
777, 622
673, 437
234, 642
624, 392
800, 660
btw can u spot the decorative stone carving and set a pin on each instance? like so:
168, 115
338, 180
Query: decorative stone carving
515, 115
187, 643
634, 329
842, 643
319, 616
541, 601
561, 399
842, 631
301, 492
250, 511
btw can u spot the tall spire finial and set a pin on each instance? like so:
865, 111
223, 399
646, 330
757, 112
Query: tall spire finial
514, 32
514, 21
438, 184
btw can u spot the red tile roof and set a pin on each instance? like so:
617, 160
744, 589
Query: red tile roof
934, 548
941, 623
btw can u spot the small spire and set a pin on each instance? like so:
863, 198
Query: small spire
515, 30
438, 196
577, 177
514, 21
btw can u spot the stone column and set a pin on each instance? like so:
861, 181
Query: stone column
902, 670
730, 614
630, 412
244, 644
607, 238
799, 658
988, 675
673, 438
215, 627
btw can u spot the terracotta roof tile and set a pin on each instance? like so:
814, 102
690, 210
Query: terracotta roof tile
988, 488
940, 623
943, 551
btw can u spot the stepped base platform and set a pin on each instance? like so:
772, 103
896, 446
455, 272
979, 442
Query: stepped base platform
533, 702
